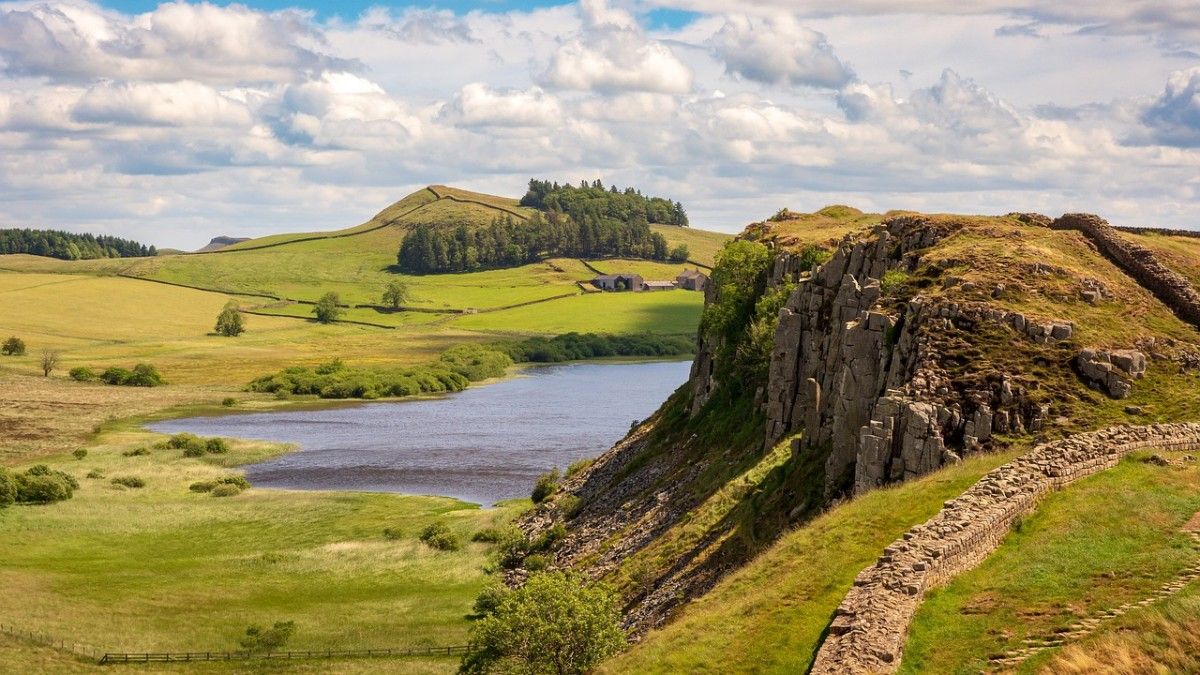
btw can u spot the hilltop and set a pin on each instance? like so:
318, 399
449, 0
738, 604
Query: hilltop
856, 371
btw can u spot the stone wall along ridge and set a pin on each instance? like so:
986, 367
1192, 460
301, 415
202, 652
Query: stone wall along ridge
870, 627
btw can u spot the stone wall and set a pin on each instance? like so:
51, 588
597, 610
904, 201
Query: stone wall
1140, 263
870, 627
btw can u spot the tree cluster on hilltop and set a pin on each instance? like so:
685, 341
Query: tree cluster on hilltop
595, 201
69, 245
508, 243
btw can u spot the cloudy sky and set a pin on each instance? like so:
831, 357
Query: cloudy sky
171, 123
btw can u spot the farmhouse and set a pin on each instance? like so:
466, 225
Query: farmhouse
619, 282
692, 280
658, 286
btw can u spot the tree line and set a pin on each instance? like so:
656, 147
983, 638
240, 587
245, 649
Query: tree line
509, 243
70, 245
596, 201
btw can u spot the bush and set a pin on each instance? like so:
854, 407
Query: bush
203, 486
13, 346
235, 480
327, 309
79, 453
216, 446
393, 533
893, 281
577, 466
553, 624
142, 375
116, 376
229, 321
82, 374
229, 402
8, 488
550, 539
544, 487
568, 506
259, 639
679, 254
488, 535
225, 490
438, 535
536, 562
489, 599
512, 547
95, 474
129, 482
137, 452
191, 444
43, 488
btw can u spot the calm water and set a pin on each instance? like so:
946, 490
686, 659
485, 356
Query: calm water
482, 445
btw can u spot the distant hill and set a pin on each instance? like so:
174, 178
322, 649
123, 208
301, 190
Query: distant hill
218, 243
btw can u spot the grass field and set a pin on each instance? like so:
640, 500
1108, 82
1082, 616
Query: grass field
702, 244
769, 615
162, 568
666, 312
1182, 254
1107, 540
650, 270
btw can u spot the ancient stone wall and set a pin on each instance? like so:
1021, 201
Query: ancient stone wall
870, 627
1140, 263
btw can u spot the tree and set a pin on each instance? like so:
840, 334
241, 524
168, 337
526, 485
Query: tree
13, 346
326, 309
49, 361
395, 293
679, 254
229, 321
553, 624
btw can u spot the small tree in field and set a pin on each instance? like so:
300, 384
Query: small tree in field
679, 254
326, 309
13, 346
229, 321
395, 293
553, 624
49, 361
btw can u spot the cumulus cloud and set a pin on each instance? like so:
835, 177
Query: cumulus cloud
478, 105
613, 54
69, 42
778, 50
183, 103
421, 26
1174, 117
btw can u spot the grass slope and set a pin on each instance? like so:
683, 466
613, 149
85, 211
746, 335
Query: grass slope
702, 244
1109, 539
162, 568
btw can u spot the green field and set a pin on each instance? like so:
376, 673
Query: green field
669, 312
163, 568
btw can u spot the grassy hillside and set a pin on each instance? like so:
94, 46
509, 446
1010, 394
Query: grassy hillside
702, 244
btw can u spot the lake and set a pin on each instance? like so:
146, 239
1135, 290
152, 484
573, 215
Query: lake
482, 445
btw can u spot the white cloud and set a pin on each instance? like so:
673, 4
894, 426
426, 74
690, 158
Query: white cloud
1174, 117
478, 105
182, 103
613, 54
778, 50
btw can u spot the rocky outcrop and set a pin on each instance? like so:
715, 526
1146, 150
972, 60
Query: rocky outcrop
1138, 262
869, 629
1111, 371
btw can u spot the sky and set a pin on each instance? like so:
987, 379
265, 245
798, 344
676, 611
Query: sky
171, 123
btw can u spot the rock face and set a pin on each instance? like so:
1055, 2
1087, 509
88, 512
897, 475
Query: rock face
1111, 371
870, 627
1139, 262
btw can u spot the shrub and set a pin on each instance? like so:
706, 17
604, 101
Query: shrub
512, 547
8, 488
229, 402
79, 453
42, 485
129, 482
893, 281
259, 639
489, 599
225, 490
488, 535
568, 505
679, 254
438, 535
550, 539
544, 486
13, 346
137, 452
95, 474
235, 480
191, 444
116, 376
812, 256
577, 466
393, 533
229, 321
203, 486
82, 374
142, 375
216, 446
553, 624
327, 310
536, 562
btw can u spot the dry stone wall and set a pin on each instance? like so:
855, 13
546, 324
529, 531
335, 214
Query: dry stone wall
1139, 262
870, 627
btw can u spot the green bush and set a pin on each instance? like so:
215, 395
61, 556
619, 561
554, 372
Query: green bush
137, 452
142, 375
203, 486
8, 488
577, 466
438, 535
191, 444
225, 490
216, 446
229, 321
79, 453
13, 346
893, 281
82, 374
37, 488
488, 535
536, 562
579, 347
544, 487
327, 309
259, 639
512, 547
489, 599
229, 402
553, 624
95, 474
129, 482
235, 480
550, 539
